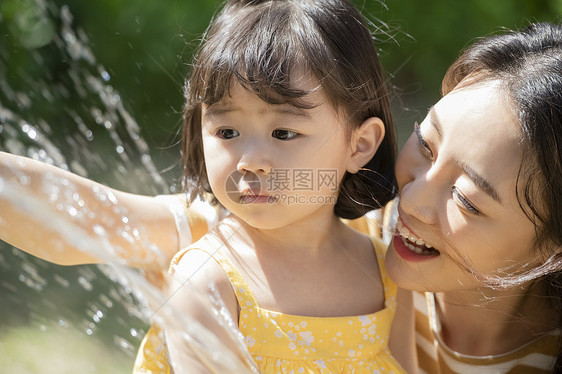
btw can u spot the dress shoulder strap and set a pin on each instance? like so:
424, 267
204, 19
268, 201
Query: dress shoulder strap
244, 295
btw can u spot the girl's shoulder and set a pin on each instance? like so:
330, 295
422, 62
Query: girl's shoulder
199, 257
199, 266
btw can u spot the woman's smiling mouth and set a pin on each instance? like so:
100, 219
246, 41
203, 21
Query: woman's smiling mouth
411, 247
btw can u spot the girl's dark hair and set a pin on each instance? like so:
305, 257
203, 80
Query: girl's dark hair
259, 45
528, 65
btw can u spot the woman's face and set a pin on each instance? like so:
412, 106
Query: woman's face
458, 208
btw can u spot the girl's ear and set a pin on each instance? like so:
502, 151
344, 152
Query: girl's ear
365, 141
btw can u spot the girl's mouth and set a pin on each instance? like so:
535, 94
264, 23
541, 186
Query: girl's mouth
414, 244
251, 198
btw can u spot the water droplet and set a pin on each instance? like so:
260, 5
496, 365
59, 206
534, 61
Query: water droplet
32, 134
120, 149
106, 301
85, 283
24, 180
105, 75
60, 280
72, 211
134, 333
122, 342
97, 316
66, 15
111, 197
108, 125
125, 235
63, 323
98, 230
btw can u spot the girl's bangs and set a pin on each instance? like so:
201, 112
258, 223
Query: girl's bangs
261, 51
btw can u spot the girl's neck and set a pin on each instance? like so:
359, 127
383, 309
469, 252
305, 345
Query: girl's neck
313, 234
489, 322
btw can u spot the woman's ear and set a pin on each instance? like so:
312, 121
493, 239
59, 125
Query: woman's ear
365, 141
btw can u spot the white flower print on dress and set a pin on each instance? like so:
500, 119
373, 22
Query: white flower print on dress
249, 340
306, 338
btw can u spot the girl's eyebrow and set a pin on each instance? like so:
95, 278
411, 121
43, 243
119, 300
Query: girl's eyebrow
292, 111
218, 109
283, 109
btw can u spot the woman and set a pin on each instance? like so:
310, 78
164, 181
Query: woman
478, 222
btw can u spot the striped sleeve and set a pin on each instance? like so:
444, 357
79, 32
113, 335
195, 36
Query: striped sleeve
434, 357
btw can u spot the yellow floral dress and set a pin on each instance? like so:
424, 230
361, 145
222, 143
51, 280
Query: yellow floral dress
284, 343
356, 344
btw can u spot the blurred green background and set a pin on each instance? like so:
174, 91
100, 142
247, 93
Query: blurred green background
142, 50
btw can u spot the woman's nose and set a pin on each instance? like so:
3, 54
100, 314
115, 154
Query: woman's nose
419, 199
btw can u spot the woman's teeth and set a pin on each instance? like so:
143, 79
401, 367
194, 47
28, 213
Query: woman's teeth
412, 242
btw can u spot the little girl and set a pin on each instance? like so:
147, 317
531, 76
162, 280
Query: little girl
285, 110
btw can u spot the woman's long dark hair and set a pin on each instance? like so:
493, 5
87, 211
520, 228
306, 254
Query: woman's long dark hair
259, 45
528, 64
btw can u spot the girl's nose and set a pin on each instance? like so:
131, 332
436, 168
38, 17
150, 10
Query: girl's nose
255, 159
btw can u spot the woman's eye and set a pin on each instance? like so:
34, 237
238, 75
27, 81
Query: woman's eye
227, 133
283, 134
422, 143
464, 201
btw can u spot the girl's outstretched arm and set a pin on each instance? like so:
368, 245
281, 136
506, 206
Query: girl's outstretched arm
141, 230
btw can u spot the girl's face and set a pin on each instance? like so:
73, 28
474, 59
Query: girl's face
458, 208
273, 165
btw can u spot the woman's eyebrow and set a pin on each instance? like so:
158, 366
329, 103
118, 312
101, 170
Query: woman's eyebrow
480, 181
476, 177
434, 121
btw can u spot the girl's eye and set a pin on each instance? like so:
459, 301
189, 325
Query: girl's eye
422, 143
464, 201
283, 134
227, 133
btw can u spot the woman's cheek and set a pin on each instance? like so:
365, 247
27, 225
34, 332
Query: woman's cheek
405, 164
